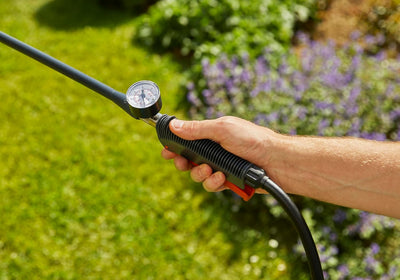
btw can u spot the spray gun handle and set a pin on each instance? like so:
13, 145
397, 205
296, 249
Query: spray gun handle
238, 171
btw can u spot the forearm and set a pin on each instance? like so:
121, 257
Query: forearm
346, 171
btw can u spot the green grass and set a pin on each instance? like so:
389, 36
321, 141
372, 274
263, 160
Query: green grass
84, 193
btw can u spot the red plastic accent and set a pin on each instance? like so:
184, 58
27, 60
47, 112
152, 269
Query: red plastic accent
245, 193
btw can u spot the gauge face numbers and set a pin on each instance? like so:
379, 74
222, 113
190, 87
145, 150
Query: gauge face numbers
143, 94
144, 99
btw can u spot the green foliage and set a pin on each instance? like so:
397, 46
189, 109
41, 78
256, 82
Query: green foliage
210, 27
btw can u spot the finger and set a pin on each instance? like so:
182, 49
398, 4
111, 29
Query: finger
215, 182
192, 130
168, 154
261, 191
201, 172
182, 164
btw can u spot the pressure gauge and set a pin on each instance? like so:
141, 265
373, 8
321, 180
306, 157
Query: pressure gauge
144, 99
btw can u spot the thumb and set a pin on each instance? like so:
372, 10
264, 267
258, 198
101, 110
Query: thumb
193, 130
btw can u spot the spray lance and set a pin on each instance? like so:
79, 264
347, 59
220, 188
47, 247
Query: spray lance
143, 102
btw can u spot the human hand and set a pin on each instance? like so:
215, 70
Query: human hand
240, 137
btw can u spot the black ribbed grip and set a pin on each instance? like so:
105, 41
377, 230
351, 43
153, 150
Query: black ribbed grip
205, 151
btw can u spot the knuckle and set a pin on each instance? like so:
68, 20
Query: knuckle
197, 174
214, 182
224, 126
192, 129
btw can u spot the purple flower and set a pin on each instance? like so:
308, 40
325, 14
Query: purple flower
208, 97
302, 113
283, 68
373, 136
254, 92
323, 124
332, 79
266, 86
210, 113
272, 117
307, 61
356, 62
190, 86
219, 114
389, 90
193, 99
279, 85
343, 270
222, 64
261, 67
380, 56
370, 40
327, 52
355, 128
303, 38
355, 35
205, 64
322, 105
245, 76
229, 84
351, 106
261, 119
340, 216
395, 114
354, 93
371, 263
375, 248
245, 57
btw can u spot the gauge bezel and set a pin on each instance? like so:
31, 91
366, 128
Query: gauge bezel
150, 110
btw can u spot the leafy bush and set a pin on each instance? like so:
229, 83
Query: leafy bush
210, 27
324, 92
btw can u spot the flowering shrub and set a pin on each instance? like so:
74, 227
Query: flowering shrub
328, 92
325, 93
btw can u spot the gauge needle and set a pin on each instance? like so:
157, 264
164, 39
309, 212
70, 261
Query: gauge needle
143, 96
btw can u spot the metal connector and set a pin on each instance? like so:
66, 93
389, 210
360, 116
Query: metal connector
153, 120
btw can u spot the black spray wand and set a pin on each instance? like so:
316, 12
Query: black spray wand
143, 101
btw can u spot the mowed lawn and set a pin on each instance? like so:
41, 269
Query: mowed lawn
84, 192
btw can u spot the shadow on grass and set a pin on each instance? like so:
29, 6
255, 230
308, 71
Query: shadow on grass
239, 226
72, 15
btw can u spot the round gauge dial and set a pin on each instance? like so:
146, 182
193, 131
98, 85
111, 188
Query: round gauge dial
144, 99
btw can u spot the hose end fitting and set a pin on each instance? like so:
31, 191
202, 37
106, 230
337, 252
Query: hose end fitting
254, 176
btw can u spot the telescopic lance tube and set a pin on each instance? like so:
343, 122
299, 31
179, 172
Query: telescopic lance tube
108, 92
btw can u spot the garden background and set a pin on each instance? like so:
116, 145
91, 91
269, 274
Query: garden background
84, 193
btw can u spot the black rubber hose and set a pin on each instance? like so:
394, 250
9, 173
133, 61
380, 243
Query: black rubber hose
300, 224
